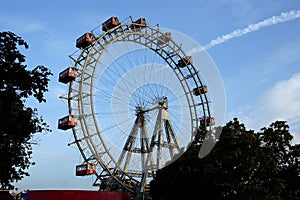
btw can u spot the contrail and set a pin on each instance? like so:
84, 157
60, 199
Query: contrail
283, 17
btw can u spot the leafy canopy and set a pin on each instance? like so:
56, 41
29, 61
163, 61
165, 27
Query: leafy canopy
18, 123
242, 165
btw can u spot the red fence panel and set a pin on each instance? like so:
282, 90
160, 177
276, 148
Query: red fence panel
76, 195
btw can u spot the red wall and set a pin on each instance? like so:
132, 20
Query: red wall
75, 195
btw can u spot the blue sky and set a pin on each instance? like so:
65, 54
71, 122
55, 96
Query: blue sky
260, 68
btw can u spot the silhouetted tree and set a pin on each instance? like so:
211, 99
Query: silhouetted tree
242, 165
18, 123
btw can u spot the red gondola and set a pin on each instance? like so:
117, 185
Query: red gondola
68, 75
139, 23
200, 90
85, 40
185, 61
208, 121
110, 23
86, 169
67, 122
165, 38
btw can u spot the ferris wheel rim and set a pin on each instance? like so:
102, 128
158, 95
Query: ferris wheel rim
86, 52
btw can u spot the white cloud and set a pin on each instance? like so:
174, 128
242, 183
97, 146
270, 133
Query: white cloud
281, 102
283, 17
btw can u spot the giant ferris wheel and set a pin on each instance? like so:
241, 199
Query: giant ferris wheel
135, 101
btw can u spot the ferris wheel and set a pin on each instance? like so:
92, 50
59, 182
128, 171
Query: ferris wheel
135, 101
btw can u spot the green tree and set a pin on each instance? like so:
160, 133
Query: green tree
242, 165
18, 123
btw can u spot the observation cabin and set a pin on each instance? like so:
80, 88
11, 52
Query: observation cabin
85, 40
86, 169
67, 122
68, 75
110, 23
139, 23
165, 38
185, 61
200, 90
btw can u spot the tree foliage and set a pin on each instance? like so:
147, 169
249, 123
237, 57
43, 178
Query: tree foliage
18, 122
243, 165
